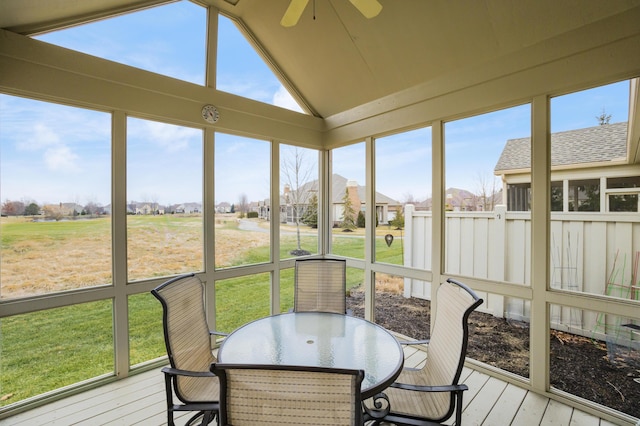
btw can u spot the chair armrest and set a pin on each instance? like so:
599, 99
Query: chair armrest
217, 333
177, 372
420, 388
414, 342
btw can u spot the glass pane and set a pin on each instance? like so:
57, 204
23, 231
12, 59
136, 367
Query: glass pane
519, 197
557, 191
588, 147
242, 186
241, 300
348, 198
595, 356
146, 335
164, 207
55, 181
168, 40
584, 195
64, 346
403, 177
623, 203
298, 201
243, 72
620, 200
481, 239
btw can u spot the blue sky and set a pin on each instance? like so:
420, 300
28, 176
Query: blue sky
64, 155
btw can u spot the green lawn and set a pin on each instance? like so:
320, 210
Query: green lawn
46, 350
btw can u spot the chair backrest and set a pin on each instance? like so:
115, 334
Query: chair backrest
186, 334
448, 342
284, 394
320, 286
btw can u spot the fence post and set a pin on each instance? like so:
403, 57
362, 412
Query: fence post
496, 272
408, 245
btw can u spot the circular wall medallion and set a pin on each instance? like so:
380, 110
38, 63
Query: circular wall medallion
210, 113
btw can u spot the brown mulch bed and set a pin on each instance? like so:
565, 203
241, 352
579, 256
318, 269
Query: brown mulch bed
591, 369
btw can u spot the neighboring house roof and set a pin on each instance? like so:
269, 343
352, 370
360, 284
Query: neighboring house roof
597, 144
456, 197
340, 186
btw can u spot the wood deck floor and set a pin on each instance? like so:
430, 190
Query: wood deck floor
140, 400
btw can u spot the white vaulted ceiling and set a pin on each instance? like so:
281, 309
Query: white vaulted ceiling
341, 60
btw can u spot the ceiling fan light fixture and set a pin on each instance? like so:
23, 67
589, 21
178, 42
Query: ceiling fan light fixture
368, 8
293, 12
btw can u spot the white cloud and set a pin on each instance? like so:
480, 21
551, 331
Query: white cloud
61, 159
283, 99
171, 138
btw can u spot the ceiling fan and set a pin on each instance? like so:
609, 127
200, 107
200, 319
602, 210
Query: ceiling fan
369, 8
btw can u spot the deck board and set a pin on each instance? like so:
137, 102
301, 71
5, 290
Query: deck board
140, 400
506, 406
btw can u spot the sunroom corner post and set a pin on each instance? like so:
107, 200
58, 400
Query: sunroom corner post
325, 213
540, 226
274, 229
119, 243
370, 231
211, 60
208, 198
438, 213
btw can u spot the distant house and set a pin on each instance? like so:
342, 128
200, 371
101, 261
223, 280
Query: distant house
386, 207
188, 208
461, 200
223, 207
590, 171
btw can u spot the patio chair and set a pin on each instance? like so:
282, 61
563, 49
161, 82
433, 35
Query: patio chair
285, 394
430, 395
188, 341
320, 286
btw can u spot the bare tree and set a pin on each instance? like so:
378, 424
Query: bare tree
51, 211
297, 175
486, 195
12, 208
603, 118
243, 205
155, 206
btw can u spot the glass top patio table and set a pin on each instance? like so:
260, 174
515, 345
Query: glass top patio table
318, 339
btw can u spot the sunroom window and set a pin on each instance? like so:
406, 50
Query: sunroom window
169, 39
56, 197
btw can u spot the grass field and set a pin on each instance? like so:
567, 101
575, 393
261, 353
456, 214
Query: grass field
72, 344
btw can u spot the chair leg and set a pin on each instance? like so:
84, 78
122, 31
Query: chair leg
459, 408
169, 392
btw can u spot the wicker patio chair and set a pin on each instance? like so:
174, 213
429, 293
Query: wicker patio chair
288, 395
430, 395
188, 341
320, 286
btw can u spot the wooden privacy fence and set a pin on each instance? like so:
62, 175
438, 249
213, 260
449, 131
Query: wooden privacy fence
593, 253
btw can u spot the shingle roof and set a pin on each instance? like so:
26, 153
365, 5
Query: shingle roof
593, 144
339, 186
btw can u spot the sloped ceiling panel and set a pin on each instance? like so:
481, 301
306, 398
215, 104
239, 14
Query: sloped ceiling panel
341, 60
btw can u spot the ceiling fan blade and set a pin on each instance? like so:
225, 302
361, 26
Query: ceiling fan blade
293, 13
369, 8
